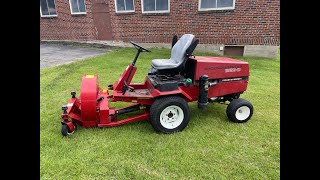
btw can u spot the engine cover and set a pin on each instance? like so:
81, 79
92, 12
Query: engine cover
220, 67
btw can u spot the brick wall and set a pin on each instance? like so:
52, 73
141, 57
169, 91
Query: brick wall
254, 22
66, 26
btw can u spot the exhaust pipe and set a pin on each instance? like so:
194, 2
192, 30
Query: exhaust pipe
203, 92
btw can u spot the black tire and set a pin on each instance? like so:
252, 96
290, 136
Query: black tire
65, 131
180, 114
239, 110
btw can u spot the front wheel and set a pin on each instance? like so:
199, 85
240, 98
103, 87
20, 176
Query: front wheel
169, 114
239, 110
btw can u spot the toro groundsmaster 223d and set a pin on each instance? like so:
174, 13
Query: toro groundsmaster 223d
164, 95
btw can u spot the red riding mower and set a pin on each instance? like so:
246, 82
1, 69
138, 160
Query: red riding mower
164, 95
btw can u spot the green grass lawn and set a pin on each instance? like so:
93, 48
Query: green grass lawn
210, 147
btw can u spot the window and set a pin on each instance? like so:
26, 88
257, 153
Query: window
48, 8
205, 5
77, 6
124, 6
233, 50
155, 6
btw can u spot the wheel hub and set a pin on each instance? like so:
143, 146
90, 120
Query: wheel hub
170, 114
171, 117
242, 113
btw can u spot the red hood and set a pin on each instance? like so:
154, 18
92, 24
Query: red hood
220, 67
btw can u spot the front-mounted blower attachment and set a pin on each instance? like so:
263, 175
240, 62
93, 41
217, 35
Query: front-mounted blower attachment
163, 97
92, 109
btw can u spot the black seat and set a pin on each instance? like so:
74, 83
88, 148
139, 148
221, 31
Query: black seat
180, 52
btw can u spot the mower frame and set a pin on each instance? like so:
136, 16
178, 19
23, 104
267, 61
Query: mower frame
91, 108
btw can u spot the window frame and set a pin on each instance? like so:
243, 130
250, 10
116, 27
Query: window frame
214, 9
125, 11
77, 13
55, 7
150, 12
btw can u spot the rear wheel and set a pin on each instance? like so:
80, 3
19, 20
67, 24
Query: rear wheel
239, 110
169, 114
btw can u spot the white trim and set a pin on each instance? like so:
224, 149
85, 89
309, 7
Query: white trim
125, 11
54, 15
163, 11
85, 8
212, 9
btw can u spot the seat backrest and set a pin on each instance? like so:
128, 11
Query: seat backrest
178, 52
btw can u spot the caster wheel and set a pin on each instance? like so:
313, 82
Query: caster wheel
65, 131
239, 110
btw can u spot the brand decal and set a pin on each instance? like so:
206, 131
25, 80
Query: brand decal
227, 69
232, 70
233, 79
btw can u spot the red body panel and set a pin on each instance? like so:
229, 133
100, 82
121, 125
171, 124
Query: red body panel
74, 109
88, 110
88, 98
118, 84
104, 109
225, 88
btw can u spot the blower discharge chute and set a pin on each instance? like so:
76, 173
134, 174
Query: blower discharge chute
164, 95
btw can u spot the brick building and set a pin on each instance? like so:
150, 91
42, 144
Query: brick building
244, 27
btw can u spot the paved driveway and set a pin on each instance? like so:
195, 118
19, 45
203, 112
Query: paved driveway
56, 54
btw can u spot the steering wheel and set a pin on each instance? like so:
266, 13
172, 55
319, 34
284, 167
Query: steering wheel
139, 47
